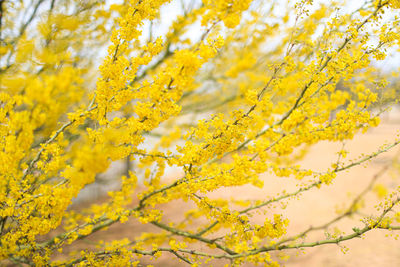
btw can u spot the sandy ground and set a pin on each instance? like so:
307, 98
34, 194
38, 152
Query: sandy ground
313, 209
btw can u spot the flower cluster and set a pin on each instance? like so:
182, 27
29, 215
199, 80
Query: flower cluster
249, 93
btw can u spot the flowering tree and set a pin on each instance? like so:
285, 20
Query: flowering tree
233, 89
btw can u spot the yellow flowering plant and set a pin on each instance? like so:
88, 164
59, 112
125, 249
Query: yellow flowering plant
230, 90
